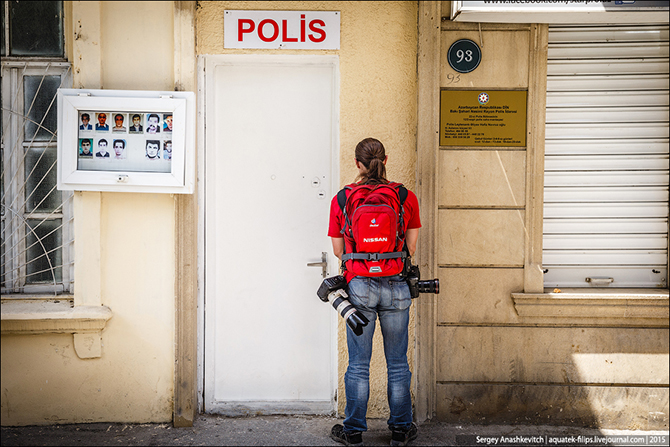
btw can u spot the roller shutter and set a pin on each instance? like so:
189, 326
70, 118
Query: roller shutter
606, 157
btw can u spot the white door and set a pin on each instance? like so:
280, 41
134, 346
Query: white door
270, 171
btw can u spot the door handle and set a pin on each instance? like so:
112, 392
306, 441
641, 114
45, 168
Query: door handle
323, 264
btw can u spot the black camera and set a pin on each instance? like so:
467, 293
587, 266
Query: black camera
332, 289
416, 286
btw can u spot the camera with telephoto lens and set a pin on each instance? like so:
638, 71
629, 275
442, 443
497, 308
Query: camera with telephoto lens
416, 286
332, 289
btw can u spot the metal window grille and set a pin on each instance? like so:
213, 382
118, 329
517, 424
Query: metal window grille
36, 254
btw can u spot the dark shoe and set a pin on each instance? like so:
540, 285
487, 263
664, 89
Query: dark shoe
338, 434
404, 437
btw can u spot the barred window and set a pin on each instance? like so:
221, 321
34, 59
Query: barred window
36, 234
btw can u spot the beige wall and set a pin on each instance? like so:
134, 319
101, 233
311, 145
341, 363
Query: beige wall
125, 254
491, 364
377, 98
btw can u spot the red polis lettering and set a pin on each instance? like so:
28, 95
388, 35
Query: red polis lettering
268, 30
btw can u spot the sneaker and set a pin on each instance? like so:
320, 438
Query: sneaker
404, 437
338, 434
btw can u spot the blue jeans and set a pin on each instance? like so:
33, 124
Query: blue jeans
389, 298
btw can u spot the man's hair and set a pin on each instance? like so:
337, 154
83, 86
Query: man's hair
371, 154
118, 115
86, 115
137, 116
123, 142
102, 141
153, 115
156, 142
86, 140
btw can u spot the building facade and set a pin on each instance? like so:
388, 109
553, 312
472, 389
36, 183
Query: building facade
168, 305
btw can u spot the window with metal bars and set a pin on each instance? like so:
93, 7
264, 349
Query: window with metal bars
36, 251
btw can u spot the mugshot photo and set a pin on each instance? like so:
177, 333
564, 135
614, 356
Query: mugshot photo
119, 149
102, 149
101, 124
85, 149
167, 150
153, 125
153, 150
136, 123
167, 122
85, 122
119, 123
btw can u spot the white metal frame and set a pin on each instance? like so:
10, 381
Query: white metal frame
181, 178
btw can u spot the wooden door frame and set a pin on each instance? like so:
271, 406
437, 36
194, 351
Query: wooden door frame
428, 87
185, 398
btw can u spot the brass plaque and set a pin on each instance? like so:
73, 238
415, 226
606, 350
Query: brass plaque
482, 118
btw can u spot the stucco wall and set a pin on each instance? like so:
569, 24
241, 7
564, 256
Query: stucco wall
125, 254
377, 98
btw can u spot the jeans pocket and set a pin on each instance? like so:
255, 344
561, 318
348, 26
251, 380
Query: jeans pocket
400, 294
359, 291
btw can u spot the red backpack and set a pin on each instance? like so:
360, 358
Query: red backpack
374, 228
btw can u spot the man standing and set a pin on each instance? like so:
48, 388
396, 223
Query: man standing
378, 291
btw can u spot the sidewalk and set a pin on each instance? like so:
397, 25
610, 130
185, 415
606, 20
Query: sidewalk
303, 430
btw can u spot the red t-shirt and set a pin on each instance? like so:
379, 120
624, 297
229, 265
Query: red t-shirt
336, 223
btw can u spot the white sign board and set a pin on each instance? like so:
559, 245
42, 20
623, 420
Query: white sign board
295, 30
537, 11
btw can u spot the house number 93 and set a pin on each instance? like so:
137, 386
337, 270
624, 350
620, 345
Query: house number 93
464, 56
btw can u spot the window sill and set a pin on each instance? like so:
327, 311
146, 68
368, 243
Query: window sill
635, 307
30, 316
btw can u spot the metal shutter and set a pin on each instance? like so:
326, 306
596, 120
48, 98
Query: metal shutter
606, 164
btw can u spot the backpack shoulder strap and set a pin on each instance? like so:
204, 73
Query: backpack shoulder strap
401, 190
342, 197
402, 194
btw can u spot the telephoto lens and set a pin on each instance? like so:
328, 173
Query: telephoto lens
332, 290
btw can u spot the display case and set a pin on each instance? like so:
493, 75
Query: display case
126, 140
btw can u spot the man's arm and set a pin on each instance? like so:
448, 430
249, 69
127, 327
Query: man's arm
411, 237
338, 246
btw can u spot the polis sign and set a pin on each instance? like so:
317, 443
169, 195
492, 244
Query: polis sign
298, 30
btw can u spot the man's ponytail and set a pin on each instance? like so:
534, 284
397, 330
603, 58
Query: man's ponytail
371, 154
